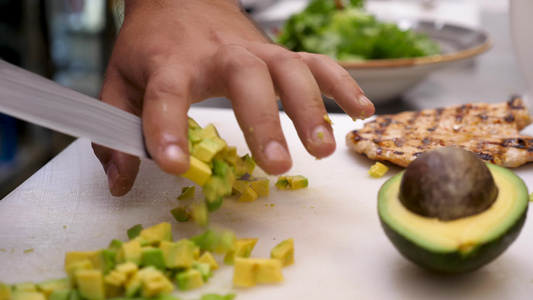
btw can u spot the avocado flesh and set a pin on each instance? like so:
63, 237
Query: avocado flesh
460, 245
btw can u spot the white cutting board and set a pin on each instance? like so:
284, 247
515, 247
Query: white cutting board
341, 250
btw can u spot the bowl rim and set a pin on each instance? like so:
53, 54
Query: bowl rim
423, 60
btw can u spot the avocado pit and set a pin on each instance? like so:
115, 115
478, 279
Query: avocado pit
447, 183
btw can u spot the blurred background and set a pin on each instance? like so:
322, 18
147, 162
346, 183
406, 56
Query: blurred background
69, 41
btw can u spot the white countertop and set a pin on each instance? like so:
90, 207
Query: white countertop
341, 250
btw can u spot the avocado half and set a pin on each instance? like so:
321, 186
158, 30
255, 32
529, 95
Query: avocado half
460, 245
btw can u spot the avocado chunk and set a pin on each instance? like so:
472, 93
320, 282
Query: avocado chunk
134, 231
5, 291
189, 279
51, 285
91, 284
250, 271
243, 248
187, 193
459, 245
157, 233
447, 183
27, 295
284, 252
198, 171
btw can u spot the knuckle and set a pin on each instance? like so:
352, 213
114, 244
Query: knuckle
234, 58
161, 84
289, 57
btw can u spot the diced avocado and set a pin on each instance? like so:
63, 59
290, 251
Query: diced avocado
261, 186
194, 135
235, 161
27, 295
209, 131
157, 233
180, 213
231, 151
214, 190
75, 266
377, 170
249, 195
187, 193
189, 280
192, 123
249, 163
127, 268
48, 286
292, 182
103, 259
243, 248
206, 149
269, 271
200, 214
218, 297
204, 269
207, 258
284, 252
215, 241
166, 297
5, 291
298, 182
240, 185
60, 294
133, 286
223, 170
178, 254
249, 271
75, 295
114, 283
134, 231
130, 251
115, 245
90, 284
25, 286
154, 283
199, 172
153, 257
282, 183
220, 168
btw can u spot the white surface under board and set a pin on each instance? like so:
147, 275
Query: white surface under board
341, 250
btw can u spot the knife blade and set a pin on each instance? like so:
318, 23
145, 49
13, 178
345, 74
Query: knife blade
35, 99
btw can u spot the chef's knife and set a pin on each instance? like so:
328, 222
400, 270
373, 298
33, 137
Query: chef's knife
35, 99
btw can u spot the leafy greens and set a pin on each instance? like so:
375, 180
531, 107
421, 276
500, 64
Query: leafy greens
351, 33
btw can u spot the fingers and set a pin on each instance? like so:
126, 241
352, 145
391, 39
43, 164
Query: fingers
165, 121
246, 81
301, 97
121, 169
335, 82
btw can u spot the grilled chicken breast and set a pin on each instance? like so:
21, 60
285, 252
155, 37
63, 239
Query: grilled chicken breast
489, 130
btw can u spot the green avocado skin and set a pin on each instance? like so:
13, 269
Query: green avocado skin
455, 262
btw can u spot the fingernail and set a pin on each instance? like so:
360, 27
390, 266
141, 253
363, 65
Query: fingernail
275, 152
363, 100
112, 176
175, 154
321, 135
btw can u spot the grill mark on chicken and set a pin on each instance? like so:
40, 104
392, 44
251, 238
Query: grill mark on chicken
489, 130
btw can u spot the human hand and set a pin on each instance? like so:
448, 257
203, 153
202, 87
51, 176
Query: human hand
172, 53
